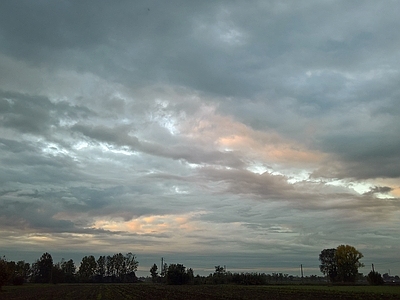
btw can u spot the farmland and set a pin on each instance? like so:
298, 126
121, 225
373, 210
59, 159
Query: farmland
194, 292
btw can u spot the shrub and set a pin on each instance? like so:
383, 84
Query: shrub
374, 278
18, 280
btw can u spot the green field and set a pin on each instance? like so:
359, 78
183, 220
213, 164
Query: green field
194, 292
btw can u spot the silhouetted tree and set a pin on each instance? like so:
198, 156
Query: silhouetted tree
117, 268
4, 272
44, 268
131, 264
119, 265
58, 275
69, 269
22, 270
328, 264
11, 267
87, 268
190, 275
219, 275
101, 267
153, 272
375, 278
176, 274
250, 278
110, 270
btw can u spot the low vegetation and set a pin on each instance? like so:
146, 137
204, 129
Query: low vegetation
196, 292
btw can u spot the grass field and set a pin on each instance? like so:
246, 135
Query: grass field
194, 292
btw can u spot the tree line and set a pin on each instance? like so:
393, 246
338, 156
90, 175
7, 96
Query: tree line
339, 264
110, 268
177, 274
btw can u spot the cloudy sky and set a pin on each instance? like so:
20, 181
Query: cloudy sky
251, 134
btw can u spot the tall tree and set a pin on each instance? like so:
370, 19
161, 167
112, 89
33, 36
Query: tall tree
153, 272
131, 263
69, 269
348, 262
23, 269
176, 274
4, 272
35, 271
87, 268
328, 264
110, 269
119, 261
101, 266
45, 267
58, 275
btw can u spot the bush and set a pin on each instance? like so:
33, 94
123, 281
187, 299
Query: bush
177, 274
374, 278
18, 280
249, 278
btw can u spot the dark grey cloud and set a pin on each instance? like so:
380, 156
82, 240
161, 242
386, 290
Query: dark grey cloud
117, 135
364, 156
35, 114
379, 189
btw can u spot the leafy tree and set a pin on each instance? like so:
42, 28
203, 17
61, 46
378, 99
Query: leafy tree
328, 264
69, 269
35, 271
58, 275
176, 274
219, 275
22, 269
348, 262
219, 270
119, 265
44, 268
375, 278
153, 272
4, 272
11, 269
101, 266
87, 268
110, 269
117, 268
251, 278
190, 275
131, 263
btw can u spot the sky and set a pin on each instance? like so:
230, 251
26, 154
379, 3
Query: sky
251, 134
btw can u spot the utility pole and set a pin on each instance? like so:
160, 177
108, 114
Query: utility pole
373, 269
301, 270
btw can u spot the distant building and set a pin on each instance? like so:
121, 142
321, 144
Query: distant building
391, 279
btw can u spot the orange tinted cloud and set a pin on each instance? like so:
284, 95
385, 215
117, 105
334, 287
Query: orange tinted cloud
149, 224
225, 134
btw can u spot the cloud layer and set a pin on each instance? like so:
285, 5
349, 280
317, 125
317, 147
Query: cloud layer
200, 129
